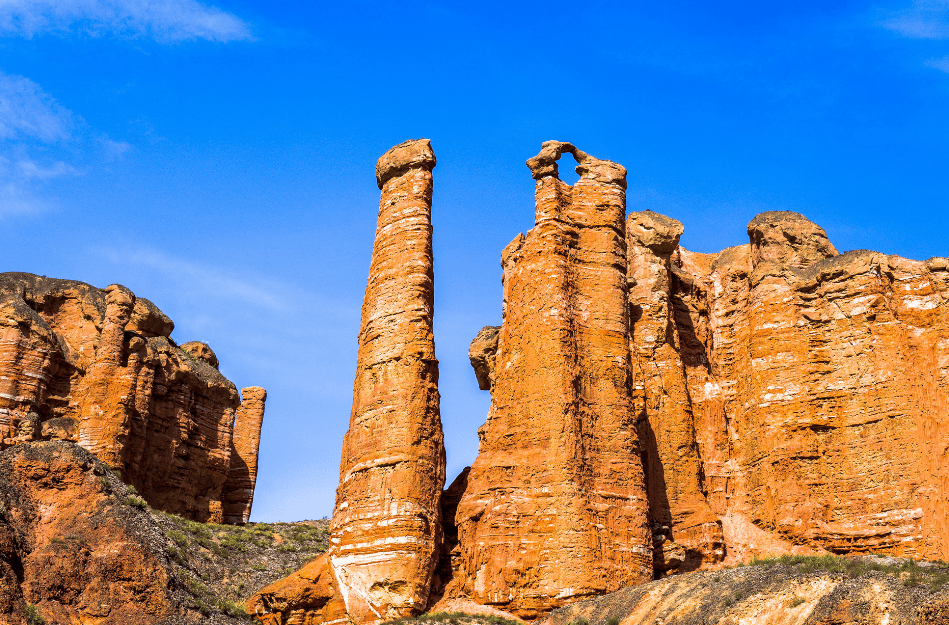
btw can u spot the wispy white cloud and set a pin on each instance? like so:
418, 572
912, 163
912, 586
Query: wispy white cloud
942, 64
26, 111
204, 279
926, 19
163, 20
30, 121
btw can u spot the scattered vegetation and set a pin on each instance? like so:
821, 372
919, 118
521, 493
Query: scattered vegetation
612, 621
912, 574
796, 601
580, 621
220, 566
455, 618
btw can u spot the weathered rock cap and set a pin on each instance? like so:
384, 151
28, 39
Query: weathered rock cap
202, 351
482, 353
654, 231
407, 155
788, 239
545, 164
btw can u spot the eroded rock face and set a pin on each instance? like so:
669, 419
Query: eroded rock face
386, 532
686, 533
816, 386
482, 353
555, 505
98, 367
70, 548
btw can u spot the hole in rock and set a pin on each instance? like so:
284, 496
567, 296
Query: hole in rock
567, 169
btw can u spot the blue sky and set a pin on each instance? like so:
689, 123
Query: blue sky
219, 159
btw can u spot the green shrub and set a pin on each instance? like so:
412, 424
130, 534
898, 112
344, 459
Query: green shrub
32, 615
231, 608
136, 502
612, 621
580, 621
796, 601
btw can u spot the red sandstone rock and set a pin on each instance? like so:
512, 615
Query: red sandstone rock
482, 354
555, 506
99, 368
70, 548
818, 387
386, 533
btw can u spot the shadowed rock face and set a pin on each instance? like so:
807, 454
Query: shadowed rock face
555, 505
386, 533
245, 443
98, 367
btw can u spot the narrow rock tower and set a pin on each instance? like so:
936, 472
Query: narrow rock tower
238, 494
555, 509
386, 524
386, 532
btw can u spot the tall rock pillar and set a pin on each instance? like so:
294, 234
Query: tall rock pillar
386, 532
555, 509
238, 495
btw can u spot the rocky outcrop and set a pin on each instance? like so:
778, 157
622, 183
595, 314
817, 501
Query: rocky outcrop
482, 353
98, 367
70, 548
386, 532
555, 505
808, 593
815, 385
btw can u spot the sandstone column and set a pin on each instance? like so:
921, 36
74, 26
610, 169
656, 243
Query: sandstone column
238, 494
386, 524
555, 508
108, 387
686, 533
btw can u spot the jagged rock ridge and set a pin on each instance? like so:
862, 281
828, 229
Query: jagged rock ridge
98, 367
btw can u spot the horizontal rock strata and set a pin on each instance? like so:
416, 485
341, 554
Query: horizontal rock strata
98, 367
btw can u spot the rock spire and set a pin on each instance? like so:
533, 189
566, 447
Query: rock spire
386, 532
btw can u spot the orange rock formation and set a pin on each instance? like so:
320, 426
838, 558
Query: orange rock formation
386, 532
653, 410
821, 408
686, 532
555, 506
99, 368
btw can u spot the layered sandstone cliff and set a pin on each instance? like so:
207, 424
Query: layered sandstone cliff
653, 410
386, 533
555, 505
98, 367
789, 399
821, 407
